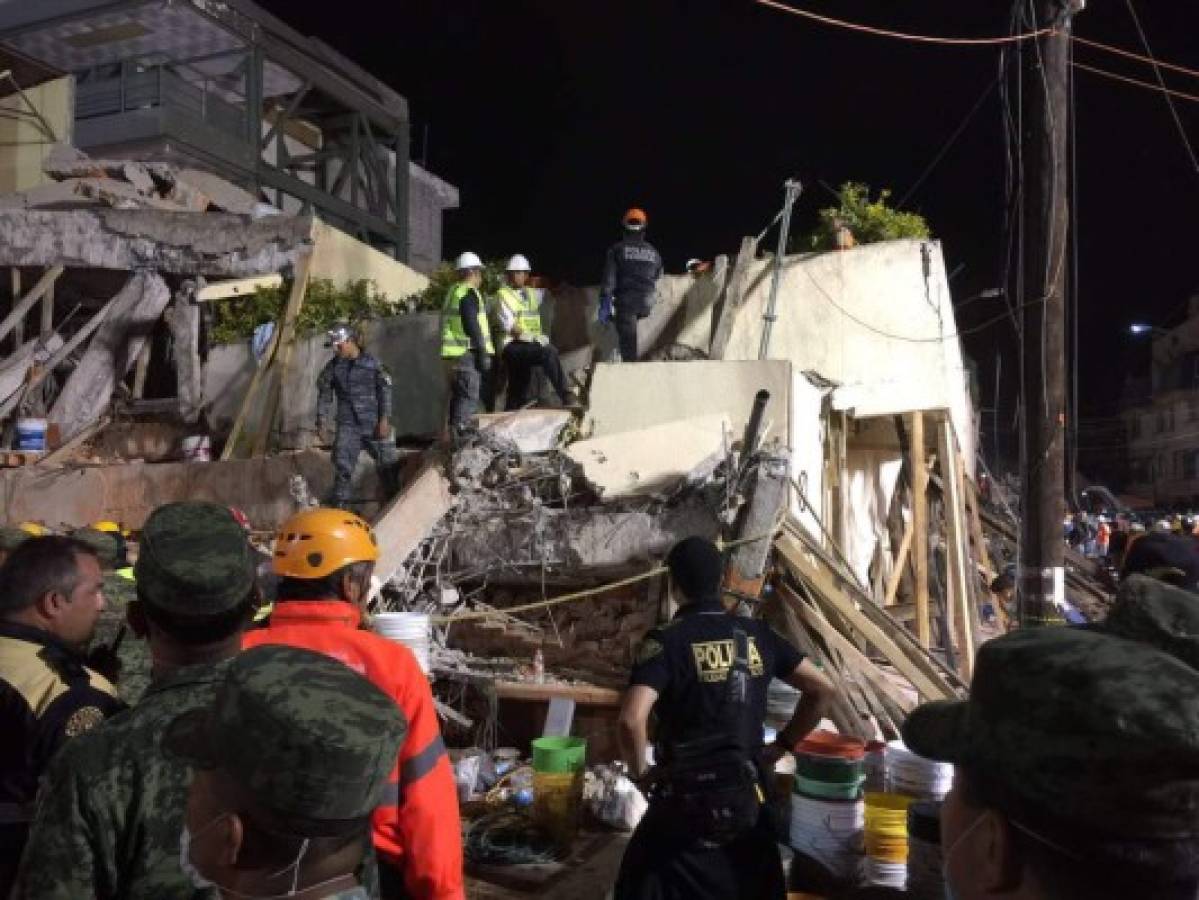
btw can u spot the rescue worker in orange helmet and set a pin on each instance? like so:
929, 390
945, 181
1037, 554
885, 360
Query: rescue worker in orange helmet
324, 559
632, 268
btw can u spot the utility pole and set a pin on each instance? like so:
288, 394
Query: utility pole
1045, 219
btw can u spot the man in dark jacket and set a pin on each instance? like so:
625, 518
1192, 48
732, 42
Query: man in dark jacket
631, 272
362, 387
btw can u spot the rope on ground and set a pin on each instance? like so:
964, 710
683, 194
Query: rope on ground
589, 592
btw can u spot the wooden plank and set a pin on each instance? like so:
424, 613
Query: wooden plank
734, 297
901, 560
286, 346
141, 369
22, 306
815, 620
239, 287
929, 684
955, 545
972, 555
919, 475
583, 694
47, 313
60, 453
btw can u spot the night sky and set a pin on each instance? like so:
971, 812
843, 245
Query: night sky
552, 117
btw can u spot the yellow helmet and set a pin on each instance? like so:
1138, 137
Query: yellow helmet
107, 526
318, 542
34, 528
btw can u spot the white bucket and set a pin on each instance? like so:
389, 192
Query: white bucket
915, 776
197, 448
409, 629
829, 831
31, 435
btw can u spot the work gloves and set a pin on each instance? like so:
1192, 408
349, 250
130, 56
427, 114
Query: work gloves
605, 310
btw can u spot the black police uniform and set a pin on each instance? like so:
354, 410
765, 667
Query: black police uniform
362, 388
687, 662
632, 268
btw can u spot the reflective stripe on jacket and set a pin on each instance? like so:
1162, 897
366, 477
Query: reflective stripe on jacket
417, 828
454, 339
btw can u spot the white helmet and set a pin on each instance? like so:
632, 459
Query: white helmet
466, 261
519, 263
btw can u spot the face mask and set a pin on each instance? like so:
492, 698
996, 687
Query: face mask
950, 894
201, 883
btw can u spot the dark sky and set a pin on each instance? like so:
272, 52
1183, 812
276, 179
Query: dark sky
552, 117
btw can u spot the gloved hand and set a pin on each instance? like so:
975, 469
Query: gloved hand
605, 310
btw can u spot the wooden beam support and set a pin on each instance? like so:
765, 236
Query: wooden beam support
240, 287
956, 545
901, 560
287, 344
47, 312
22, 306
919, 474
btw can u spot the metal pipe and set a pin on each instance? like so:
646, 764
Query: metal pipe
792, 188
753, 427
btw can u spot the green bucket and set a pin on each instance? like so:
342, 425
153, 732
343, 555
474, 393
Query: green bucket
559, 754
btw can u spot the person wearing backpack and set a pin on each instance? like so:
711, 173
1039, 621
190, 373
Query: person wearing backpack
705, 676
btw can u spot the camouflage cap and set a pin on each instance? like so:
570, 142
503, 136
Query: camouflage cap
304, 737
1157, 614
193, 559
106, 546
1089, 728
11, 538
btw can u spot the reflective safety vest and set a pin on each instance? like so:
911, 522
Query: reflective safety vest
454, 339
526, 306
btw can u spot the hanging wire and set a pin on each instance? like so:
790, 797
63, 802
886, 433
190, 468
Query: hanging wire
1120, 51
1157, 89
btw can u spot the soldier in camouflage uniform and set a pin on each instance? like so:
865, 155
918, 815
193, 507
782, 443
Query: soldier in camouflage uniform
1076, 760
362, 388
291, 758
110, 812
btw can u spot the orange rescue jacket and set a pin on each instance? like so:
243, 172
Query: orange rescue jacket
417, 829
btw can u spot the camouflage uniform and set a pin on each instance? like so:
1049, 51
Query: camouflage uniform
305, 738
1086, 728
362, 388
110, 814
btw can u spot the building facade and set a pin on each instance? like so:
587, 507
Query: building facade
228, 88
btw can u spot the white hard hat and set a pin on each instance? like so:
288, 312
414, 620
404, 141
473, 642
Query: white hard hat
467, 260
519, 263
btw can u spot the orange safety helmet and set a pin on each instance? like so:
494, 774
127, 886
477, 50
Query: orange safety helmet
635, 219
318, 542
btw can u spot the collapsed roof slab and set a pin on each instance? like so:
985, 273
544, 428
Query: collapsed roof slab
215, 245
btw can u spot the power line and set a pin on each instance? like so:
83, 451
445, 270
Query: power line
1120, 51
920, 38
1186, 141
1194, 98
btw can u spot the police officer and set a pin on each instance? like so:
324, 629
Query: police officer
362, 387
1076, 762
51, 596
111, 809
631, 272
517, 332
705, 675
280, 802
466, 346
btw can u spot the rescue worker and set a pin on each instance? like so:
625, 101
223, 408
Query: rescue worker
324, 559
518, 334
705, 675
631, 272
362, 387
10, 540
111, 808
467, 350
1087, 791
51, 597
280, 802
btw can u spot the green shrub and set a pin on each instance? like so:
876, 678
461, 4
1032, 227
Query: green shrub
325, 303
869, 220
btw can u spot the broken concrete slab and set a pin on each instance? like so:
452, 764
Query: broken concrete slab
54, 195
531, 430
112, 351
65, 162
219, 245
628, 398
222, 194
122, 195
409, 518
655, 460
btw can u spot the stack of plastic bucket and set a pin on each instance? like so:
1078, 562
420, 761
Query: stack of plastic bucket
925, 880
558, 767
407, 628
887, 839
827, 814
915, 776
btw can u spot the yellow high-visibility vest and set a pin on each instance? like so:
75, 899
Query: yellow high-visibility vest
454, 339
525, 306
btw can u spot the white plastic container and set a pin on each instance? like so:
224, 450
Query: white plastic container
410, 629
197, 448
